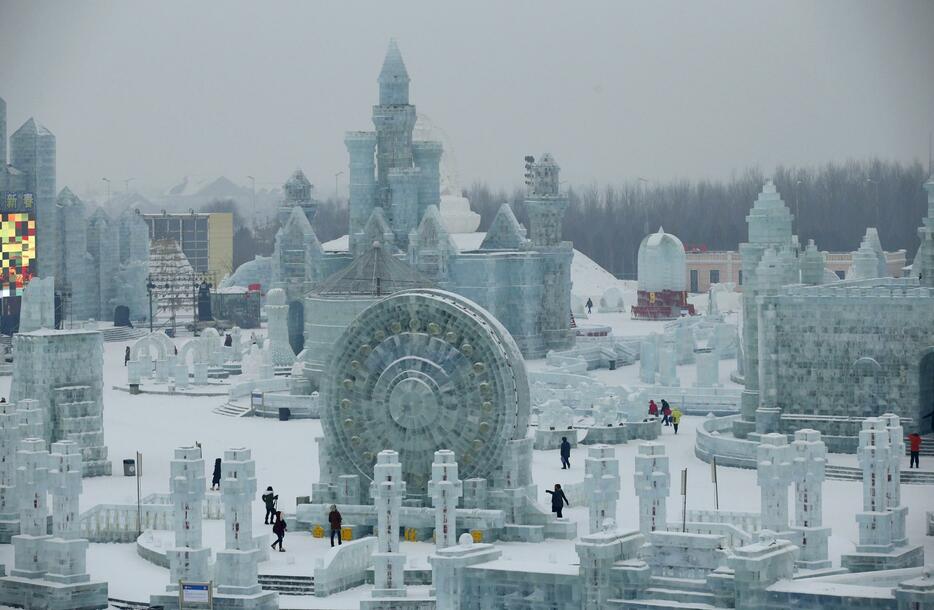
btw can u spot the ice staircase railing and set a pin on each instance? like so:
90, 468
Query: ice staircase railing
344, 566
123, 522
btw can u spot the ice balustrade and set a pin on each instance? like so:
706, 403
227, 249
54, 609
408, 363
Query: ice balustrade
344, 566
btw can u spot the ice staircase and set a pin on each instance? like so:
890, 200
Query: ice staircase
851, 473
123, 333
231, 410
122, 604
692, 591
287, 585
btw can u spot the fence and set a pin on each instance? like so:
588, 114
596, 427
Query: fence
344, 566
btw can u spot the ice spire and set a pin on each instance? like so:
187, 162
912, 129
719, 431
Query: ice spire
393, 78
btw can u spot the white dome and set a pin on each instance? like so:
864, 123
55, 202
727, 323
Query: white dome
276, 296
662, 263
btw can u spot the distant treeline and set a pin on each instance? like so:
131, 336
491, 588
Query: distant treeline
835, 203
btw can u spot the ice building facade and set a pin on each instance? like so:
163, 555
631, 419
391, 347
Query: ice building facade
522, 278
828, 355
97, 264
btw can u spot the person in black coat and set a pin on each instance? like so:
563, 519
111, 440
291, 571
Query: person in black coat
126, 355
216, 478
269, 499
278, 528
558, 499
565, 453
335, 519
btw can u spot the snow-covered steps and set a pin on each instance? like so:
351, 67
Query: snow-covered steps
652, 604
287, 585
851, 473
231, 410
123, 333
685, 597
122, 604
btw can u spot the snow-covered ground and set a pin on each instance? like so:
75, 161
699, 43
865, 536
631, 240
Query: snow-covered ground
286, 458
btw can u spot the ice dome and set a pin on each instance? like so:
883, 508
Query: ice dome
662, 263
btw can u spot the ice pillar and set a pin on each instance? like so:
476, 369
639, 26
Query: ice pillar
32, 483
601, 483
445, 488
652, 483
647, 361
774, 457
66, 553
810, 457
235, 568
387, 491
9, 441
189, 559
598, 552
361, 146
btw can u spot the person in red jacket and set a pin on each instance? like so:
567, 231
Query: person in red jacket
335, 519
653, 408
914, 446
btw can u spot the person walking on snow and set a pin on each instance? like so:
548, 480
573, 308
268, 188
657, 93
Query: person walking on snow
565, 453
675, 418
653, 408
278, 528
558, 499
216, 478
666, 412
914, 446
335, 519
269, 499
126, 355
589, 306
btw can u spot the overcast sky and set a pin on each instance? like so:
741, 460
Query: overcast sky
615, 90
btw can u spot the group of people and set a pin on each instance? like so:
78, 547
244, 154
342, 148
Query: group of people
274, 517
670, 417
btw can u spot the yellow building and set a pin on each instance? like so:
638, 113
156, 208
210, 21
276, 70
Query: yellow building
206, 238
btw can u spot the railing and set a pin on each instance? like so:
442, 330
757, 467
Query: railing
123, 522
245, 388
745, 521
344, 566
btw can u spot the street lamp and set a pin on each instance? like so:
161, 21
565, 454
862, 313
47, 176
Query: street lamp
107, 180
336, 191
876, 182
150, 286
797, 206
253, 199
644, 184
126, 184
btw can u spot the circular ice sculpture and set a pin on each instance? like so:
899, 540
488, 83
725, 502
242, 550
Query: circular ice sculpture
612, 300
419, 371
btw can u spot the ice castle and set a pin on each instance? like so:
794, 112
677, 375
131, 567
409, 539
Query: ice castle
522, 278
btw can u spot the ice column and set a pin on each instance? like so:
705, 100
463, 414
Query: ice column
774, 457
277, 312
387, 491
188, 560
810, 457
708, 369
598, 552
667, 366
66, 552
9, 441
445, 488
31, 419
647, 361
652, 483
601, 484
882, 541
235, 568
32, 482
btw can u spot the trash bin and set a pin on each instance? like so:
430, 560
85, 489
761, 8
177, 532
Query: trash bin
129, 468
284, 413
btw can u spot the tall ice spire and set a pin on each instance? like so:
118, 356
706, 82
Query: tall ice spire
393, 78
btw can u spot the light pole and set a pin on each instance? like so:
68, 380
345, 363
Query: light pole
126, 184
107, 180
336, 191
150, 286
798, 184
876, 182
253, 199
644, 184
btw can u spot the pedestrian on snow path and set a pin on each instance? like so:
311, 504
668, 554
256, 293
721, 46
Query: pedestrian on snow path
216, 478
269, 499
914, 446
335, 519
675, 418
558, 500
589, 306
565, 453
278, 528
126, 355
653, 408
666, 412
